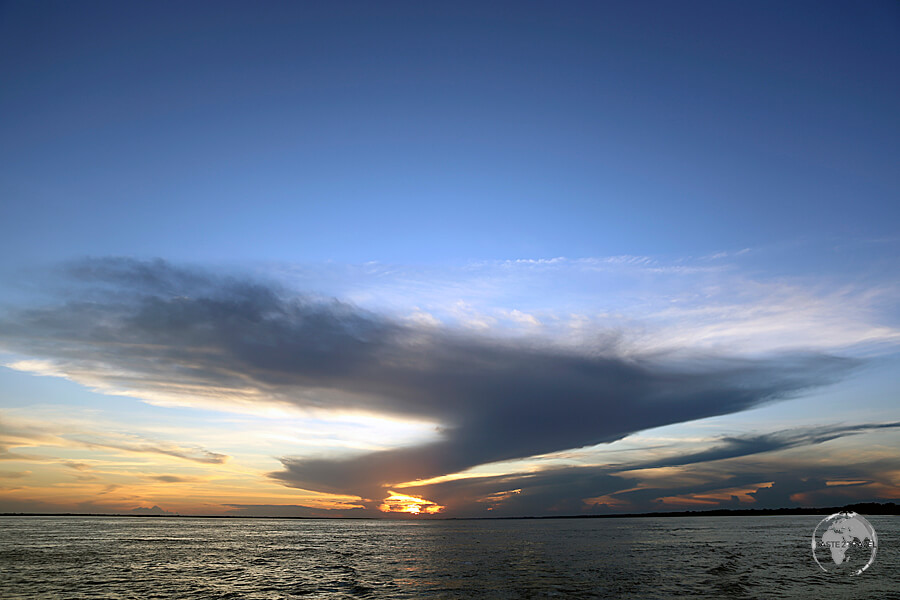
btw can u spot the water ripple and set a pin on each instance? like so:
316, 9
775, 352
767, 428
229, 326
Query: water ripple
76, 558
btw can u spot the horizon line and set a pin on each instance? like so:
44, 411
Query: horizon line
893, 510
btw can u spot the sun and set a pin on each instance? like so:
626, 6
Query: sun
403, 503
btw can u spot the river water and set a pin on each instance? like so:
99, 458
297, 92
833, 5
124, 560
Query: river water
708, 557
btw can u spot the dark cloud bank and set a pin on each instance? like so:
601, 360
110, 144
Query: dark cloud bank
152, 326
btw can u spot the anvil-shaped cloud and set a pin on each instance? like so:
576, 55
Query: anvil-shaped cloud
154, 330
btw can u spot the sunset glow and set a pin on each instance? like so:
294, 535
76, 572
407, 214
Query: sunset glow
403, 503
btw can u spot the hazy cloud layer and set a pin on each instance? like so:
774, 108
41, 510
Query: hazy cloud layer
294, 510
16, 433
158, 331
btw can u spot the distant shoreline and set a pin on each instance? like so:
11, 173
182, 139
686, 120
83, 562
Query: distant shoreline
866, 508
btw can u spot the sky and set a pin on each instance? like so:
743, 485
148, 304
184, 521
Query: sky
421, 260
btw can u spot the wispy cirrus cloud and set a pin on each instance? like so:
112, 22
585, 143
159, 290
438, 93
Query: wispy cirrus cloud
719, 302
194, 454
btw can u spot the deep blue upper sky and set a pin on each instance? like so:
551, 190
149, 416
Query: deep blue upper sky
433, 132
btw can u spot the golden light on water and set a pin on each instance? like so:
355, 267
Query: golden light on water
404, 503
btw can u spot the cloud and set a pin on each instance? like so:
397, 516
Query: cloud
171, 478
78, 466
296, 511
508, 403
522, 318
725, 305
781, 491
14, 435
194, 454
730, 462
30, 432
5, 454
193, 337
736, 446
155, 510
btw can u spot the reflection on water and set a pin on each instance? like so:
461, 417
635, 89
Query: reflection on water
709, 557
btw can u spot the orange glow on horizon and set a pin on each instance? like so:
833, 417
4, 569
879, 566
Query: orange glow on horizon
404, 503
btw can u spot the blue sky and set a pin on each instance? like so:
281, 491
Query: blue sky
677, 184
441, 133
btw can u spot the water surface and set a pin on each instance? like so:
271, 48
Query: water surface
708, 557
